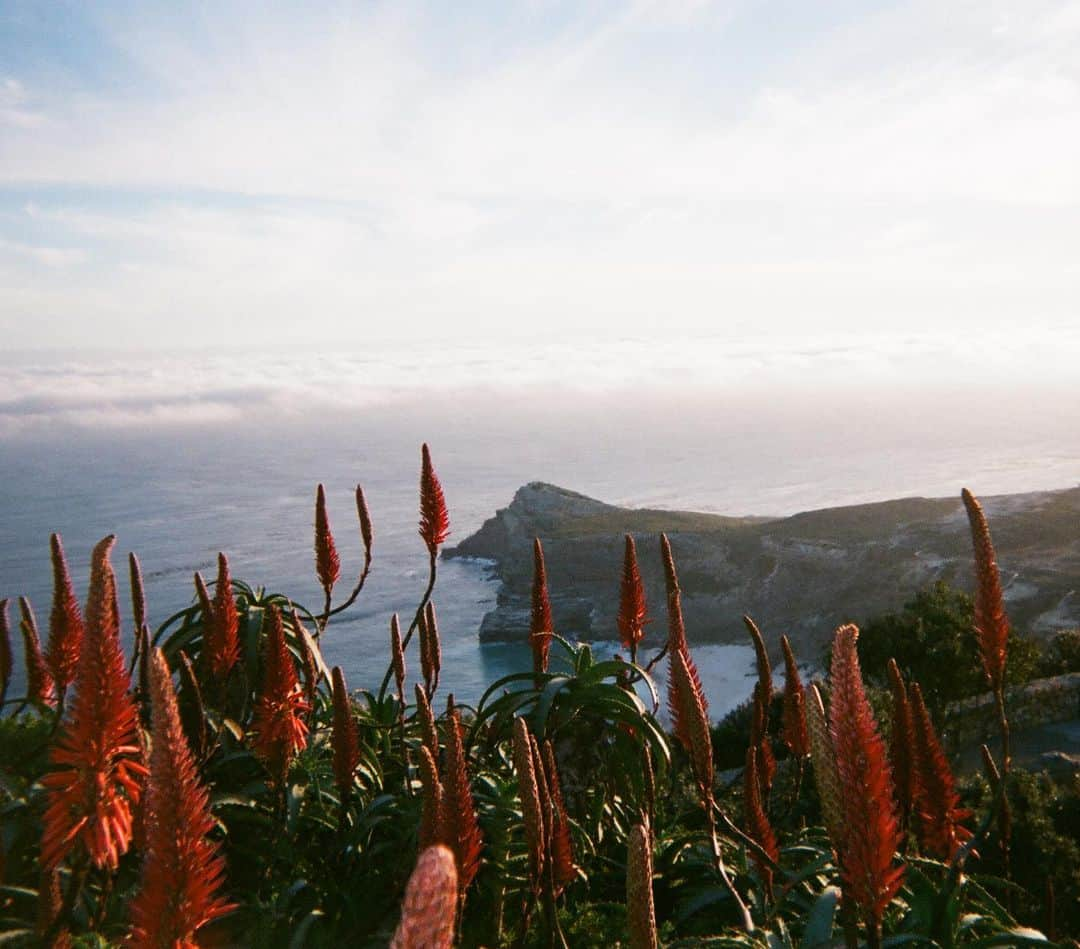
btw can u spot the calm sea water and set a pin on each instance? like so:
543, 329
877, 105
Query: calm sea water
183, 456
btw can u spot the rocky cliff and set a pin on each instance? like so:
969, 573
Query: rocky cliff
801, 575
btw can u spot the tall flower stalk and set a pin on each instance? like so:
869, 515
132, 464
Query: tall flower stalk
633, 614
991, 620
40, 687
183, 871
794, 732
6, 656
640, 910
541, 626
278, 722
429, 910
66, 628
346, 742
870, 832
461, 829
98, 771
327, 562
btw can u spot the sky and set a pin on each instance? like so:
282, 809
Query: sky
234, 175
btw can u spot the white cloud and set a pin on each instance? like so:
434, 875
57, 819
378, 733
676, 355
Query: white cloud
378, 170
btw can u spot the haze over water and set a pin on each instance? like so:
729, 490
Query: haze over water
185, 454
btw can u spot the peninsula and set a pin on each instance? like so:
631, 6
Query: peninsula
801, 575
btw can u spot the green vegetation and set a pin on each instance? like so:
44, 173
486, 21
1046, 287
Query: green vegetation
320, 800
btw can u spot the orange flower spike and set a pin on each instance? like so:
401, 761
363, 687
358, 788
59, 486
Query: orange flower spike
432, 821
40, 687
66, 628
97, 756
562, 847
434, 518
430, 648
901, 743
327, 564
823, 759
367, 534
429, 910
183, 871
694, 720
138, 593
462, 828
632, 610
397, 656
938, 804
7, 661
640, 911
529, 792
541, 625
764, 667
991, 621
794, 709
226, 623
676, 630
426, 718
759, 738
278, 721
346, 742
872, 829
757, 822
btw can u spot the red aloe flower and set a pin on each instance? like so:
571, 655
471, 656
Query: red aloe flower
40, 687
65, 621
430, 648
364, 516
901, 743
541, 625
563, 870
461, 830
529, 792
757, 823
327, 564
693, 718
640, 913
676, 643
97, 756
346, 742
676, 630
871, 832
764, 667
138, 593
6, 659
426, 718
278, 722
397, 656
759, 739
183, 871
429, 910
432, 821
937, 803
225, 649
434, 518
794, 715
991, 621
632, 611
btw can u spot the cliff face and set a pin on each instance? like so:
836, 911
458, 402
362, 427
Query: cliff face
801, 575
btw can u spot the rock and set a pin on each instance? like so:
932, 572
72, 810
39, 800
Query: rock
801, 575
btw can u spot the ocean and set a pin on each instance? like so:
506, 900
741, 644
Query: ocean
185, 454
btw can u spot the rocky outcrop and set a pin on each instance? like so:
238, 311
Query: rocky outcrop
801, 575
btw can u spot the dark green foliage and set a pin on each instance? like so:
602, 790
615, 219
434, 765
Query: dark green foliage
933, 641
1062, 654
1045, 845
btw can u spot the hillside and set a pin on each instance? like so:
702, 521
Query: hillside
801, 575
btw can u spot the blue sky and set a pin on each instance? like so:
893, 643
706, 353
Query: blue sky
203, 174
